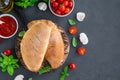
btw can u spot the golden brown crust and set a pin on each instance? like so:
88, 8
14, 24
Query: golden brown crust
42, 40
55, 51
34, 45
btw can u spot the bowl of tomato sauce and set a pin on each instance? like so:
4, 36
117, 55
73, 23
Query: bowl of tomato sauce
61, 8
8, 26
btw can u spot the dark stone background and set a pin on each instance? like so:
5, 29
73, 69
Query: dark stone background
102, 25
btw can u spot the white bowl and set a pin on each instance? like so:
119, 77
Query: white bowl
61, 15
16, 26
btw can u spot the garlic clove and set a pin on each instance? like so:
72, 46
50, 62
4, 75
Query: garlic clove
19, 77
42, 6
80, 16
83, 38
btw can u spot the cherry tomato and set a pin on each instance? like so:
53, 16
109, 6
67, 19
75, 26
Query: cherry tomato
52, 1
67, 10
7, 52
60, 1
55, 4
54, 8
65, 3
62, 8
81, 50
58, 12
72, 30
70, 4
72, 66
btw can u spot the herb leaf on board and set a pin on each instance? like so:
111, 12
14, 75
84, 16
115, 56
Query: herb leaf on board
74, 42
71, 22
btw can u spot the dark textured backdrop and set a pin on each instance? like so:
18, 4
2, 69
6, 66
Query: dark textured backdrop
102, 25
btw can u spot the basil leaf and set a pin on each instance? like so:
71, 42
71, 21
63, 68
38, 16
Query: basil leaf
30, 79
74, 42
66, 69
10, 70
11, 57
44, 69
21, 34
1, 59
5, 57
3, 65
46, 1
71, 22
4, 69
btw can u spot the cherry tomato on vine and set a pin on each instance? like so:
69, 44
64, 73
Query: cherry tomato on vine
72, 66
72, 30
7, 52
81, 50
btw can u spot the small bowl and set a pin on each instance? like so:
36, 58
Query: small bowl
16, 26
61, 15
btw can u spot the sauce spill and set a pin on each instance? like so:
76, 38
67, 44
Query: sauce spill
1, 41
7, 26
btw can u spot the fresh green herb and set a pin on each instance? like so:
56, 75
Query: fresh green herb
30, 79
45, 69
64, 73
25, 3
46, 1
71, 22
21, 34
8, 64
74, 42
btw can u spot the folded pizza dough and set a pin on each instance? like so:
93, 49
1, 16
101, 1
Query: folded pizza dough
41, 41
34, 45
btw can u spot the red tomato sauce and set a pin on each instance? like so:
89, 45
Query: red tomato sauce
8, 27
